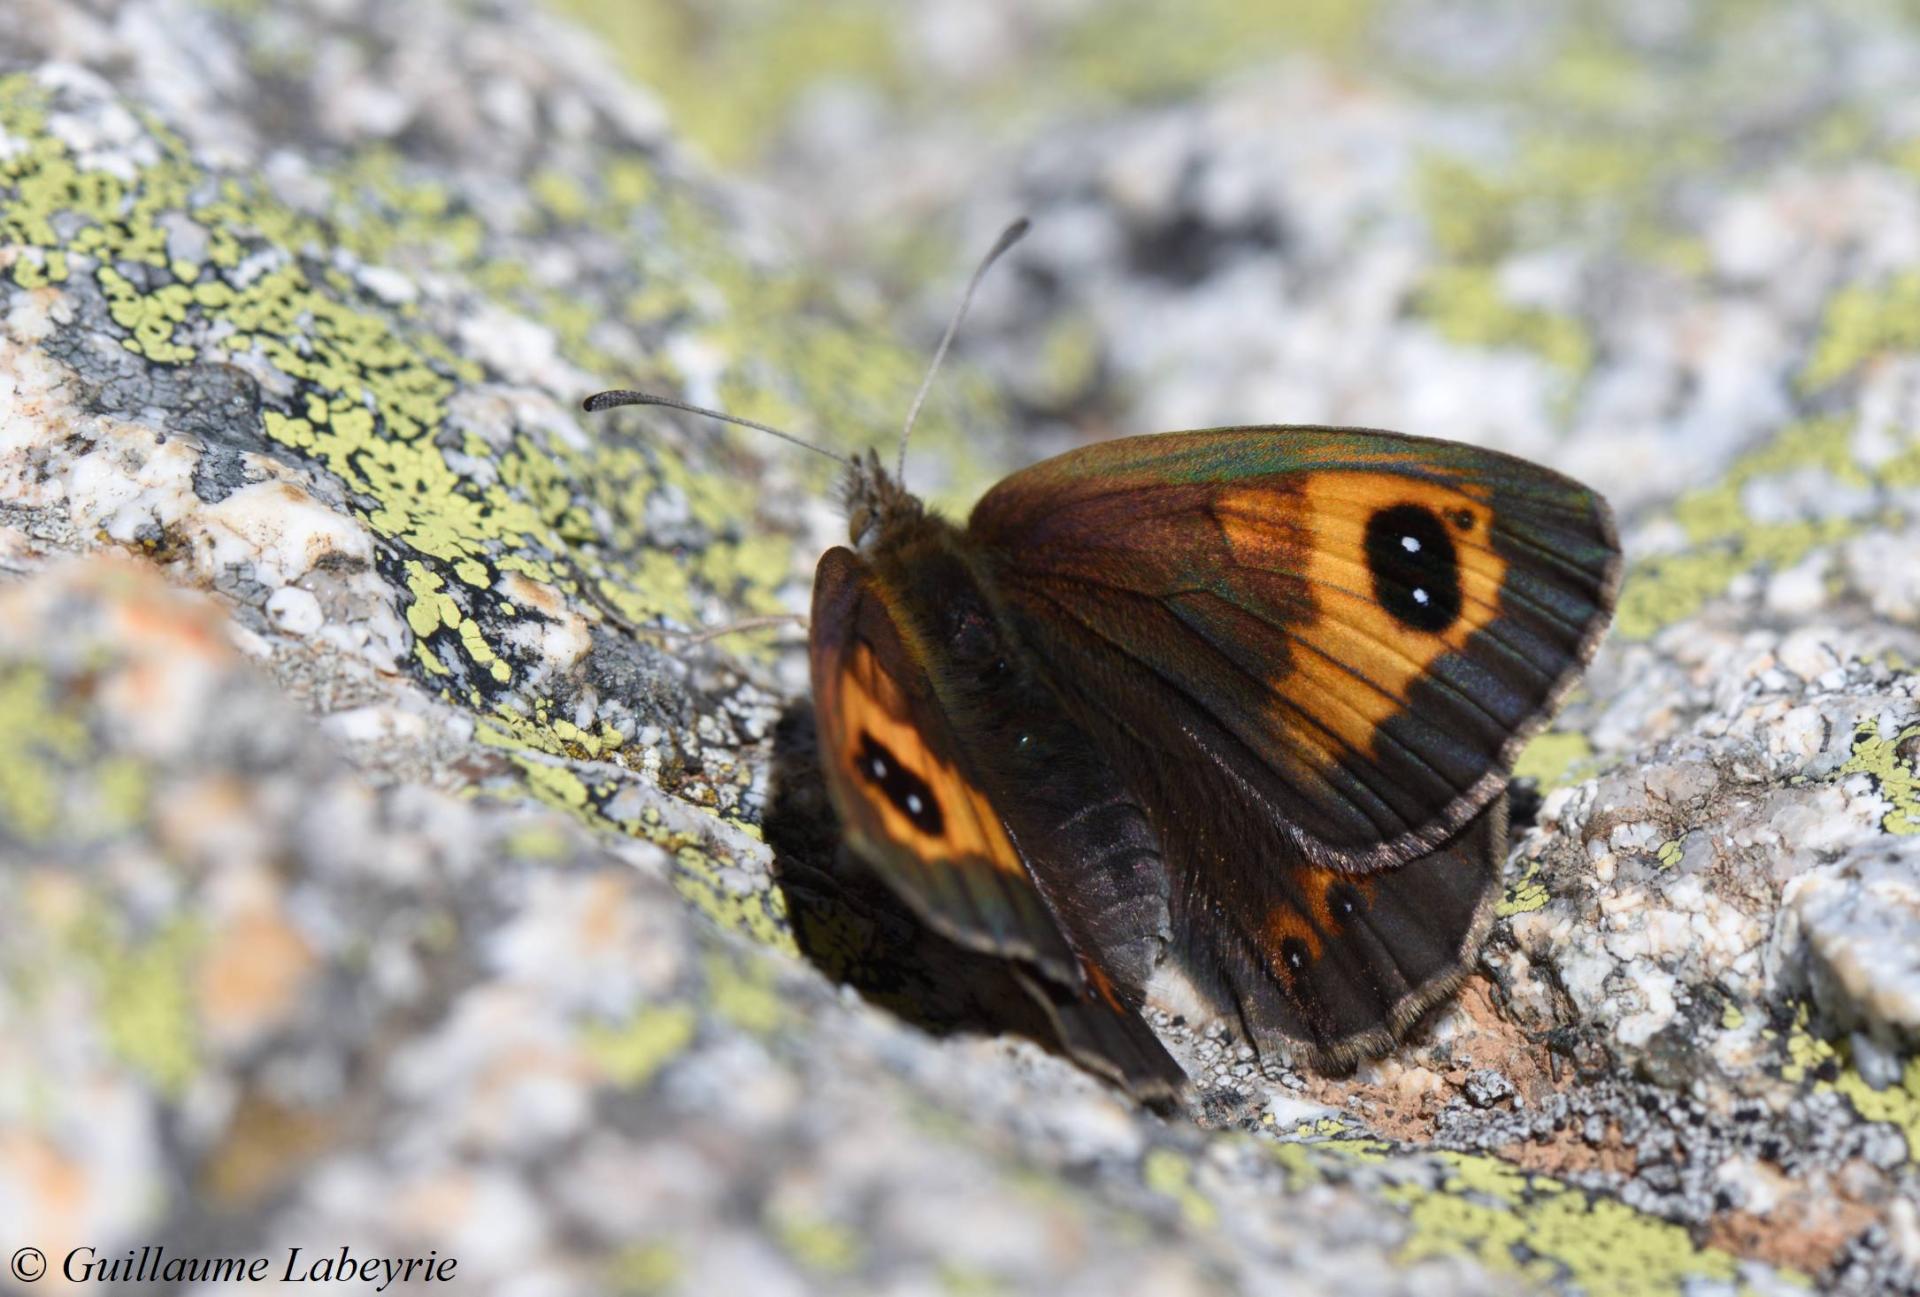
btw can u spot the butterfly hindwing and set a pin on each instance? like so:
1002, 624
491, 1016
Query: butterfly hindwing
1336, 966
1348, 632
1320, 965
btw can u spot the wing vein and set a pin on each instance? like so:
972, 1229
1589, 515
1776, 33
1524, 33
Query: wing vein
1294, 638
1334, 749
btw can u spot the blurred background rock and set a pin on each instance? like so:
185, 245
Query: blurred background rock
376, 879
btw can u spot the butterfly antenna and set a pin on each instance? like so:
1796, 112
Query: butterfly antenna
608, 400
1008, 237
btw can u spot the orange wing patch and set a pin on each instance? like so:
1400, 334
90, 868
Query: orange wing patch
911, 796
1101, 985
1337, 898
1361, 541
1293, 938
1285, 923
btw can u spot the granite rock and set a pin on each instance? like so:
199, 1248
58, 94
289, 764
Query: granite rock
387, 864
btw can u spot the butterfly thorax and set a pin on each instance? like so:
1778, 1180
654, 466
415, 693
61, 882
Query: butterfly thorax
879, 509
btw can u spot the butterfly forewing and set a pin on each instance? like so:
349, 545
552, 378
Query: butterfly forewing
958, 778
897, 780
1349, 632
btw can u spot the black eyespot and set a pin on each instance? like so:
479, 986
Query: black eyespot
1416, 571
1343, 901
906, 790
1463, 519
1293, 952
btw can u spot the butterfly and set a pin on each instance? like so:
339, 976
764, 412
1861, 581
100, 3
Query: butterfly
1241, 701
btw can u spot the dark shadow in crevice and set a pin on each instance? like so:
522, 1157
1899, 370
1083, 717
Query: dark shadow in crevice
1523, 805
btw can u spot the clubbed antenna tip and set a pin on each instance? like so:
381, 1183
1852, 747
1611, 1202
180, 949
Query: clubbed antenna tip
608, 400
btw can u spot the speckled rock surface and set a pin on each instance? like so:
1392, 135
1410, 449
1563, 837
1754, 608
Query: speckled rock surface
380, 876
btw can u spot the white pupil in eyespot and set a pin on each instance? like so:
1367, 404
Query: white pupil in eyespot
914, 803
1411, 544
1420, 596
879, 768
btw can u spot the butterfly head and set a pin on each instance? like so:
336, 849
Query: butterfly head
877, 504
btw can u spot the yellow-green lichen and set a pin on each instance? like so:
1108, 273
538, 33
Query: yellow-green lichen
1581, 173
757, 911
1069, 361
1892, 773
698, 284
373, 386
434, 610
772, 56
1334, 1128
643, 1270
122, 787
766, 65
555, 785
760, 913
507, 727
38, 739
541, 840
1465, 305
1831, 1068
632, 1053
741, 991
1169, 1174
969, 1281
1897, 1105
1906, 155
1550, 1233
371, 391
1554, 759
1470, 213
539, 748
1724, 543
1806, 1052
821, 1245
1135, 49
1535, 1227
1861, 323
1599, 77
1526, 894
1330, 1148
145, 998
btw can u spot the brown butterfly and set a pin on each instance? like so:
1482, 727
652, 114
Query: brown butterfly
1244, 698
